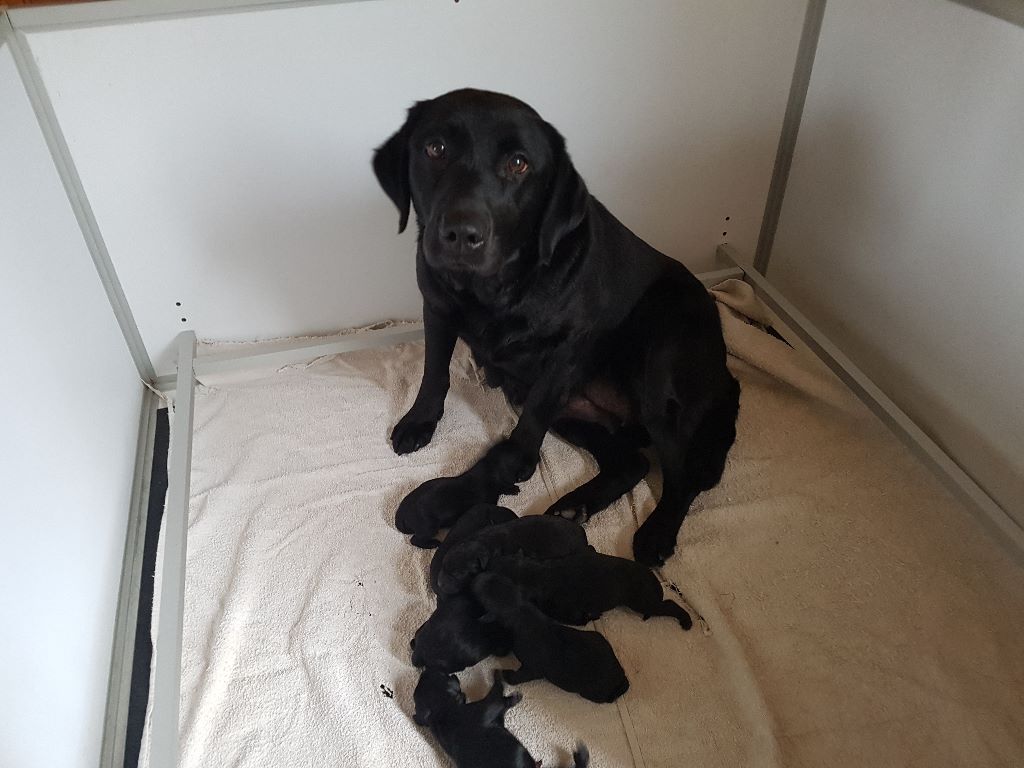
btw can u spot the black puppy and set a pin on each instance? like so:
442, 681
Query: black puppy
474, 735
589, 329
537, 536
574, 660
454, 638
478, 517
580, 587
423, 521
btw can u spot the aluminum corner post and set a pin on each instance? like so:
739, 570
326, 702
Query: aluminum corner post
790, 128
67, 171
121, 657
164, 745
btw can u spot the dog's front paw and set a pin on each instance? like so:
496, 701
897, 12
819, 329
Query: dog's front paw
412, 432
653, 544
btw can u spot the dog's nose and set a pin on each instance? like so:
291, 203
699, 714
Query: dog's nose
464, 231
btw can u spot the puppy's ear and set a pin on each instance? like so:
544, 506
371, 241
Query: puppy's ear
475, 559
567, 199
391, 166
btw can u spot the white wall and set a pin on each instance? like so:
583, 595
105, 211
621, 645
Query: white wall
69, 406
227, 157
902, 231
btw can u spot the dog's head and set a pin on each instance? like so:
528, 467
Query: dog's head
435, 693
491, 183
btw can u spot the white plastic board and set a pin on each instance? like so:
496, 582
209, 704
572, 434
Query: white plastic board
227, 157
902, 229
70, 400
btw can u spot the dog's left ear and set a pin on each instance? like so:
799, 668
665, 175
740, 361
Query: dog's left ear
391, 166
566, 201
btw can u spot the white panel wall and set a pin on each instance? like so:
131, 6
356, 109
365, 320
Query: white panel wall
902, 232
69, 406
227, 157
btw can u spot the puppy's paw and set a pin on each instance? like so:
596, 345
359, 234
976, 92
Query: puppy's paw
424, 542
653, 545
566, 508
412, 432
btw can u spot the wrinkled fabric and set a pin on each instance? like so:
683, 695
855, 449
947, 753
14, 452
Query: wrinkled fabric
853, 613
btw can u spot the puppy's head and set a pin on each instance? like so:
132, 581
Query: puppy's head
490, 181
463, 561
496, 594
478, 517
435, 693
420, 514
453, 637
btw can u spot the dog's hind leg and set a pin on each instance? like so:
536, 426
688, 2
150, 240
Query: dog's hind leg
692, 446
621, 467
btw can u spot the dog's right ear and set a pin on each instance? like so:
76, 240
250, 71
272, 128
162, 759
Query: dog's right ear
391, 166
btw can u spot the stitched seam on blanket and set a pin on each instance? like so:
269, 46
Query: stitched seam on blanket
624, 716
627, 720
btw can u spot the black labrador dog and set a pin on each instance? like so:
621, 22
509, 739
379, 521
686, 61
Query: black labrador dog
454, 638
573, 659
474, 735
535, 536
584, 326
580, 587
477, 518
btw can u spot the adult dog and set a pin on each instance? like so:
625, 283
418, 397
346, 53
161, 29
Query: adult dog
584, 326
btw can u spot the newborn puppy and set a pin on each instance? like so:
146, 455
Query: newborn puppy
422, 516
574, 660
537, 536
454, 638
580, 587
474, 735
476, 518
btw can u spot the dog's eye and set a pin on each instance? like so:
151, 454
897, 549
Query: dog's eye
518, 164
435, 149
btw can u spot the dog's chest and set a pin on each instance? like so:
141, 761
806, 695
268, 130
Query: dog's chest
513, 349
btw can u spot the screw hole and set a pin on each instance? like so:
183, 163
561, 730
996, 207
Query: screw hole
724, 234
184, 320
728, 217
177, 303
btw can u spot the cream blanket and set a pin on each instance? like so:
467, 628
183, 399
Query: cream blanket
853, 613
